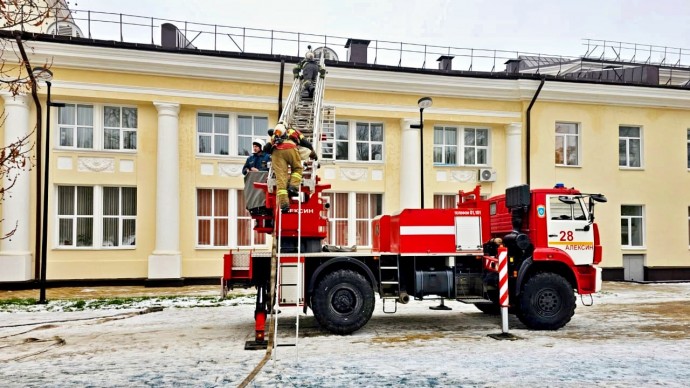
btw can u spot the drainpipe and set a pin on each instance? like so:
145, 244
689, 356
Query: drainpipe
280, 88
39, 129
529, 129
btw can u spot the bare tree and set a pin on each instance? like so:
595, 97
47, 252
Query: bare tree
16, 78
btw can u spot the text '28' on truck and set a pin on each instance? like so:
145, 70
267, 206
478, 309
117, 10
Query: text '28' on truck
550, 235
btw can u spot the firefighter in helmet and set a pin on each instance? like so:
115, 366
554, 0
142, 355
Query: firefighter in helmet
283, 148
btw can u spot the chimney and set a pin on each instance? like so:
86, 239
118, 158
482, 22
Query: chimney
445, 62
513, 66
357, 50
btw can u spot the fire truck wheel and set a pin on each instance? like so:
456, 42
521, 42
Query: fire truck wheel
343, 301
547, 302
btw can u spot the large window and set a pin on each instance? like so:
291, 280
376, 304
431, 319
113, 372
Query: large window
567, 144
355, 141
349, 217
632, 226
101, 127
629, 146
214, 133
218, 133
473, 143
96, 217
445, 201
215, 225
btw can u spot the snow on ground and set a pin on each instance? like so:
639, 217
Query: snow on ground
633, 335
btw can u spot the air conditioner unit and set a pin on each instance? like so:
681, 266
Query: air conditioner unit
487, 175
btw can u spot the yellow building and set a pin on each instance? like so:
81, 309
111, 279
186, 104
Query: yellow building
146, 154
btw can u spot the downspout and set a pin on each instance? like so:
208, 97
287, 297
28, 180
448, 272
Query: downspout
529, 129
280, 87
39, 129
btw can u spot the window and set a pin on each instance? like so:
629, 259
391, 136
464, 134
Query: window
445, 201
559, 210
632, 226
366, 146
83, 126
214, 133
213, 217
249, 128
215, 226
474, 143
97, 217
567, 144
75, 123
350, 216
445, 145
119, 128
629, 146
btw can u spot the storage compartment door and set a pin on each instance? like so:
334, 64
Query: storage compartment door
468, 233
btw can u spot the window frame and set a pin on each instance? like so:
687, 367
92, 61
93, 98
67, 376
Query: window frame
627, 147
351, 141
688, 150
98, 217
233, 133
351, 219
443, 199
97, 128
565, 137
629, 227
461, 146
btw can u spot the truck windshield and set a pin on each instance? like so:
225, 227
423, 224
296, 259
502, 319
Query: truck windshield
558, 210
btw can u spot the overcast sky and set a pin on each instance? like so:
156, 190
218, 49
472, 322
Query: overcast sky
544, 26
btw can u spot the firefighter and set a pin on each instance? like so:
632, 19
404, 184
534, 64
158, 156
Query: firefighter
283, 148
258, 160
255, 169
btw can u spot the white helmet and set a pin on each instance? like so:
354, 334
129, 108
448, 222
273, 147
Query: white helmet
260, 142
309, 55
279, 130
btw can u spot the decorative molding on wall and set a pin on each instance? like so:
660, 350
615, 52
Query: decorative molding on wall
206, 169
96, 164
354, 174
126, 165
329, 173
376, 175
463, 176
64, 163
232, 170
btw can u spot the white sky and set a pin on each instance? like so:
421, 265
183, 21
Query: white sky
554, 27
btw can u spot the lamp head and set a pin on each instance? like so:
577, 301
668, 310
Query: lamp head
424, 102
42, 74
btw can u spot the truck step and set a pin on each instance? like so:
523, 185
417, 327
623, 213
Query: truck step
473, 299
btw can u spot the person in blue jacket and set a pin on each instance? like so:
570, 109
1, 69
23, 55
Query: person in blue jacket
258, 160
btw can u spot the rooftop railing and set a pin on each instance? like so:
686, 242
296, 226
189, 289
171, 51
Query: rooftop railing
598, 54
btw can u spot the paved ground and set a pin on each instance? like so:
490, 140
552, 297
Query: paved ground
111, 292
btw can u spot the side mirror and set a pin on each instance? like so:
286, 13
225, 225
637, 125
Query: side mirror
598, 197
567, 200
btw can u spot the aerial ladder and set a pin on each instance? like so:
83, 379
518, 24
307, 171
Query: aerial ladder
291, 239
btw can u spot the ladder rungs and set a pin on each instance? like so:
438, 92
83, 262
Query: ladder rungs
286, 344
390, 282
389, 267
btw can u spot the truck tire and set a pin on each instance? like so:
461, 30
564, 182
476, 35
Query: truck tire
547, 302
343, 301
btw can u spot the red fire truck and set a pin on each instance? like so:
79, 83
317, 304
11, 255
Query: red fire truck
552, 240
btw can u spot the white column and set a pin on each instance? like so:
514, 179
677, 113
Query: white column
166, 262
514, 157
15, 255
410, 195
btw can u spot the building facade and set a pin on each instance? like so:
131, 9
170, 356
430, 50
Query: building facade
146, 155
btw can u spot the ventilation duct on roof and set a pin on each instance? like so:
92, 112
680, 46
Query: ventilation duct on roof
65, 28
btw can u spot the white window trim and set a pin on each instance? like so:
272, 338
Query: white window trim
643, 231
460, 146
98, 128
232, 226
97, 242
233, 132
642, 160
352, 143
579, 144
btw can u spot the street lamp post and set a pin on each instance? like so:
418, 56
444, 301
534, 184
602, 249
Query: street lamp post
46, 75
423, 103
